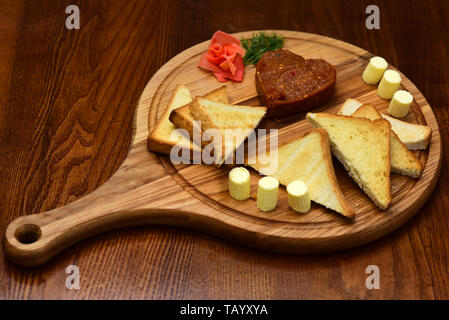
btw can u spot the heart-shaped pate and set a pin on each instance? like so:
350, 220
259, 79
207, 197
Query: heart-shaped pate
287, 83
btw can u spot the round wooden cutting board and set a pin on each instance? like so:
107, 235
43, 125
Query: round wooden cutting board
148, 189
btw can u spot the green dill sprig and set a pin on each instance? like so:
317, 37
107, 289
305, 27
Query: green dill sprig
258, 44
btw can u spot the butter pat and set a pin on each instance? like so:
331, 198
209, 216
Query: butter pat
374, 70
239, 183
267, 193
298, 196
400, 104
389, 84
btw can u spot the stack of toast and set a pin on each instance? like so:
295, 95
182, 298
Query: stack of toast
216, 123
413, 136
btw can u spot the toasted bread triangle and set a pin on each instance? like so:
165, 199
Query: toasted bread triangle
308, 158
182, 117
363, 147
402, 160
413, 136
233, 123
161, 139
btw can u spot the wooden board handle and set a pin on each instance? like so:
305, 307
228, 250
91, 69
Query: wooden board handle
34, 239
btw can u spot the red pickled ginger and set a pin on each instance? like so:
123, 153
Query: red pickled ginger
224, 57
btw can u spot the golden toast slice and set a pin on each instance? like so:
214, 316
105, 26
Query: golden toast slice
225, 126
363, 147
402, 160
182, 117
163, 137
307, 158
413, 136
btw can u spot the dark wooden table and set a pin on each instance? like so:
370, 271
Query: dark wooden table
66, 102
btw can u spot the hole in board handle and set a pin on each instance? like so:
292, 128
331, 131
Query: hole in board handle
28, 233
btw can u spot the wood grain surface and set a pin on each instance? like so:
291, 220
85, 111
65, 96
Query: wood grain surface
197, 197
67, 99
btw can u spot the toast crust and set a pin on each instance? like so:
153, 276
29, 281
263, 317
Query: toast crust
420, 142
383, 124
414, 168
417, 144
166, 146
200, 113
325, 143
182, 117
158, 142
